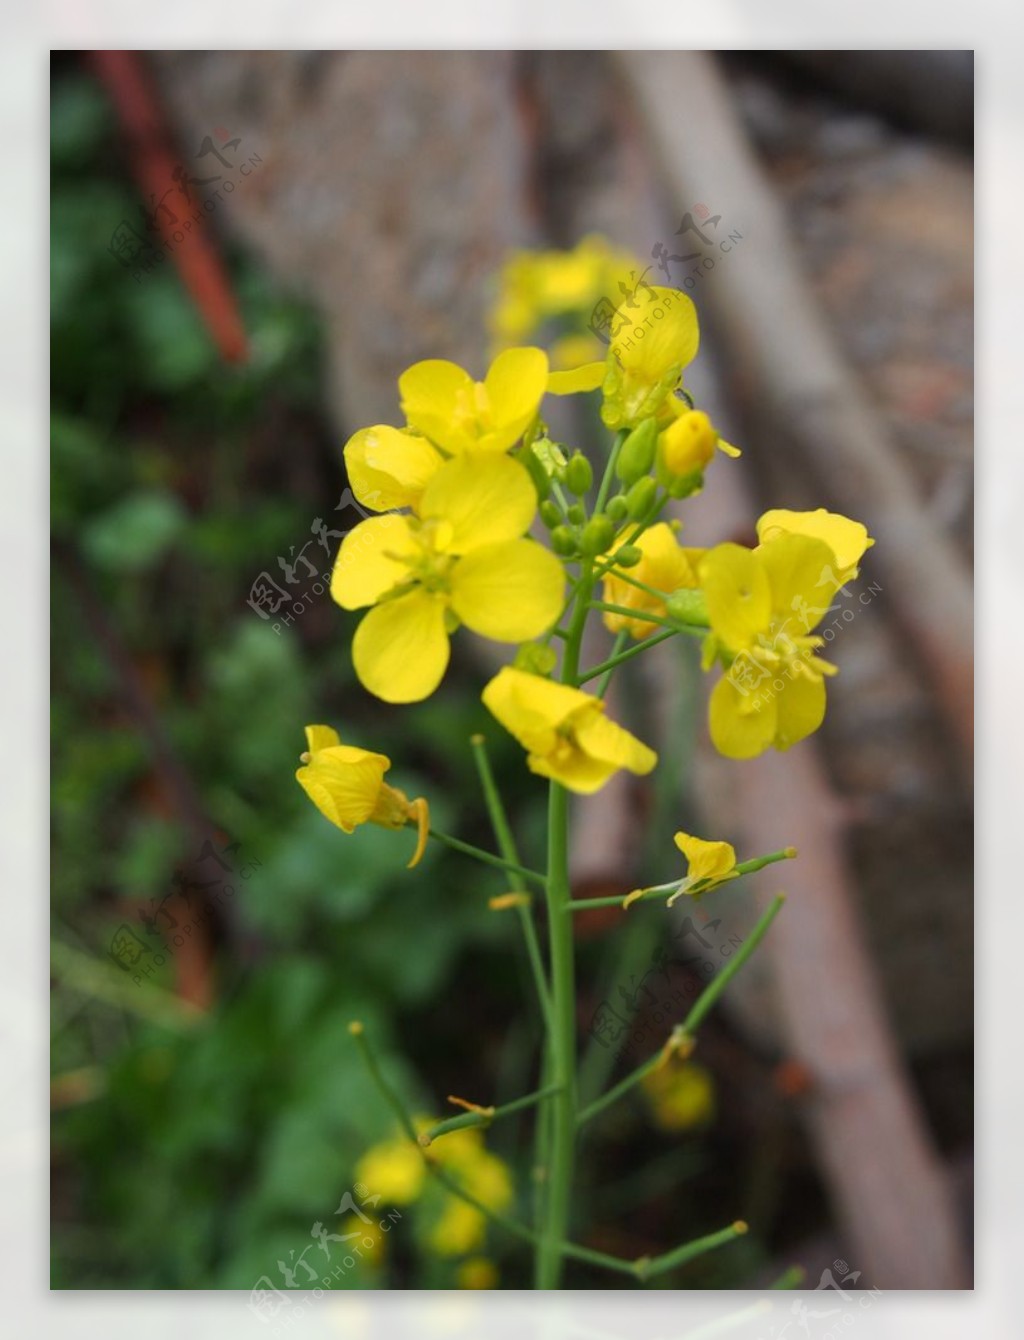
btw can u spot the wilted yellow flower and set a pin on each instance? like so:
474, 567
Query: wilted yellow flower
847, 539
479, 1272
347, 786
394, 1170
762, 605
461, 559
665, 566
708, 864
443, 403
564, 731
681, 1095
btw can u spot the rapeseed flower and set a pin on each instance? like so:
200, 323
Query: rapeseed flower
708, 865
665, 566
461, 558
762, 605
847, 539
442, 402
564, 731
347, 786
681, 1095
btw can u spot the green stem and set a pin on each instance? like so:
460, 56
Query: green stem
626, 655
681, 1255
510, 853
620, 641
609, 470
487, 857
688, 1028
485, 1116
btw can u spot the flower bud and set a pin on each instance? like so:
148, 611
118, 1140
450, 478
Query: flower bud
689, 606
636, 455
579, 474
563, 541
617, 509
688, 443
576, 514
640, 498
537, 658
628, 556
597, 536
550, 513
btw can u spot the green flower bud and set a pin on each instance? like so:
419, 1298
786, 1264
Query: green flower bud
617, 509
636, 455
689, 606
577, 514
541, 478
628, 556
550, 514
579, 474
536, 658
563, 541
597, 536
640, 498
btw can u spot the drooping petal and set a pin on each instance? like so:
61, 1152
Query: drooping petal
802, 574
706, 860
847, 539
609, 742
738, 594
388, 468
510, 591
485, 498
400, 650
436, 396
343, 783
321, 737
800, 710
586, 378
369, 562
741, 726
530, 707
515, 385
574, 769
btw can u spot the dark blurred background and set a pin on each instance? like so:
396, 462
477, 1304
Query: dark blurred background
208, 1103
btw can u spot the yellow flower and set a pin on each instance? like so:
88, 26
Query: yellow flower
394, 1170
443, 403
665, 565
371, 1237
762, 605
462, 1228
564, 731
461, 559
847, 539
688, 442
347, 786
708, 864
477, 1273
681, 1095
646, 358
390, 467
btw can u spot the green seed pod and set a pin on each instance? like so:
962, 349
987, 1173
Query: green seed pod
577, 514
617, 509
598, 535
636, 455
628, 556
550, 514
640, 497
563, 541
579, 475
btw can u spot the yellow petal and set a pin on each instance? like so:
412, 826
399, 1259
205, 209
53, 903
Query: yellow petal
343, 783
801, 572
661, 330
515, 385
608, 742
435, 396
388, 468
366, 567
738, 594
586, 378
400, 650
531, 708
484, 498
847, 539
321, 737
706, 860
800, 710
511, 591
738, 729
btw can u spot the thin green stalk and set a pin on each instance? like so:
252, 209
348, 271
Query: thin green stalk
488, 858
626, 655
609, 470
685, 1031
689, 1250
660, 890
507, 846
483, 1116
620, 641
